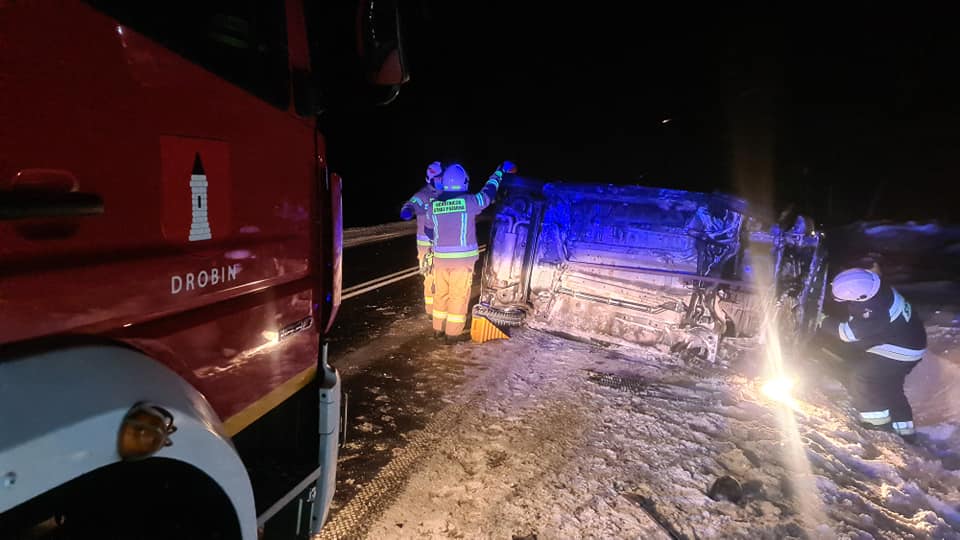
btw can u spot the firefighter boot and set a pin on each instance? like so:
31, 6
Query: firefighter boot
457, 338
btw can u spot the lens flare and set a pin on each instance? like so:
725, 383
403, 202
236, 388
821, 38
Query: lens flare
779, 389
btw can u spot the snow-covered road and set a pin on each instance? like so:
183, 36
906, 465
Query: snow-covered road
548, 438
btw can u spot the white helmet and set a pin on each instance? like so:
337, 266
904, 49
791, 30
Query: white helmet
455, 178
434, 170
855, 285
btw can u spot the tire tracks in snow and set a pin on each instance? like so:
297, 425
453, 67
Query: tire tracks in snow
353, 520
514, 460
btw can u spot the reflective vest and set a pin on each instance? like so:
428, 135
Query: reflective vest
453, 220
418, 204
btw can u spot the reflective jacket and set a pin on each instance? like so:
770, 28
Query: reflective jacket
453, 220
418, 205
884, 325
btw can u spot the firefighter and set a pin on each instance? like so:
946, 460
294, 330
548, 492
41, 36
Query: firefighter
881, 340
417, 206
452, 216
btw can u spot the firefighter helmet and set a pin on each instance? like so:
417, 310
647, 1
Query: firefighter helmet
855, 285
434, 170
455, 178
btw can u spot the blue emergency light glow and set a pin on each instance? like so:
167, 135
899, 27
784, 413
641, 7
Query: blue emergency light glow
623, 262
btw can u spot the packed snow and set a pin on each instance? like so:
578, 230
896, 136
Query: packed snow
545, 437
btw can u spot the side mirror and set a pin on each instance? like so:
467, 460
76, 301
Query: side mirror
357, 54
379, 42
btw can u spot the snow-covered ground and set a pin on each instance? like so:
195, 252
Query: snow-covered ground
551, 438
557, 439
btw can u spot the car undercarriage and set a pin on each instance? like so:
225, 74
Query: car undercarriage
634, 265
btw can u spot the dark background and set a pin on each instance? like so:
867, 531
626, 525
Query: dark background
843, 116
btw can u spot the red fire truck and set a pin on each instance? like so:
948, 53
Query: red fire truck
170, 239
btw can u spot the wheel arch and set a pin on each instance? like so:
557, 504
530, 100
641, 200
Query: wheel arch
69, 403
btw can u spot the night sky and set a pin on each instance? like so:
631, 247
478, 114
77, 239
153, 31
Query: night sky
843, 116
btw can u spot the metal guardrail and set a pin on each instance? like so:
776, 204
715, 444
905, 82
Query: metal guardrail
382, 281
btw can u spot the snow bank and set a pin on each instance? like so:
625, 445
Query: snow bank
904, 236
934, 386
901, 230
906, 252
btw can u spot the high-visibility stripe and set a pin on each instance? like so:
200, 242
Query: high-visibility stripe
428, 300
416, 199
436, 226
424, 242
463, 229
896, 308
876, 418
904, 428
457, 318
494, 181
846, 333
268, 402
439, 314
454, 248
894, 352
457, 254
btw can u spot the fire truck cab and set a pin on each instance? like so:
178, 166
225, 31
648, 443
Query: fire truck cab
170, 238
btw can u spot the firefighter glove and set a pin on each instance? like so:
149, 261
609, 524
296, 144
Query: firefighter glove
406, 213
426, 263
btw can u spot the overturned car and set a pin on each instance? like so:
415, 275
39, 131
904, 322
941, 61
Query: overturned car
633, 265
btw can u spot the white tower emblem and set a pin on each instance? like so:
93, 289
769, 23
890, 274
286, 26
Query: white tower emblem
199, 226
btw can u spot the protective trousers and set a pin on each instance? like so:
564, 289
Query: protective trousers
428, 295
875, 384
452, 282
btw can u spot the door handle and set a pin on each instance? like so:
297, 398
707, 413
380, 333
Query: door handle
39, 204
